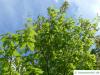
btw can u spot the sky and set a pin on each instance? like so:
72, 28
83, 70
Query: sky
13, 13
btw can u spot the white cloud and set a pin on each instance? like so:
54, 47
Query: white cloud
87, 8
56, 0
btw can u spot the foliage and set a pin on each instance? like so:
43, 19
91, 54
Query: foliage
13, 46
63, 44
96, 51
49, 46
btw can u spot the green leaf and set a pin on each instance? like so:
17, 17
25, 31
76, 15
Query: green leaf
16, 53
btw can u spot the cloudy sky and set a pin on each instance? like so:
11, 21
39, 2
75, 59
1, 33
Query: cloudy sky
14, 12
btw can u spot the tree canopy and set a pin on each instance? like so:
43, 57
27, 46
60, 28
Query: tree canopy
53, 45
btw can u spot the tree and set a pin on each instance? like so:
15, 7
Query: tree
64, 44
53, 45
13, 46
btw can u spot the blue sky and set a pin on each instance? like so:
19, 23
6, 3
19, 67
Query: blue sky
13, 13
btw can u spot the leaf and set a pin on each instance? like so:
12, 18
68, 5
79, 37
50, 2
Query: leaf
16, 53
